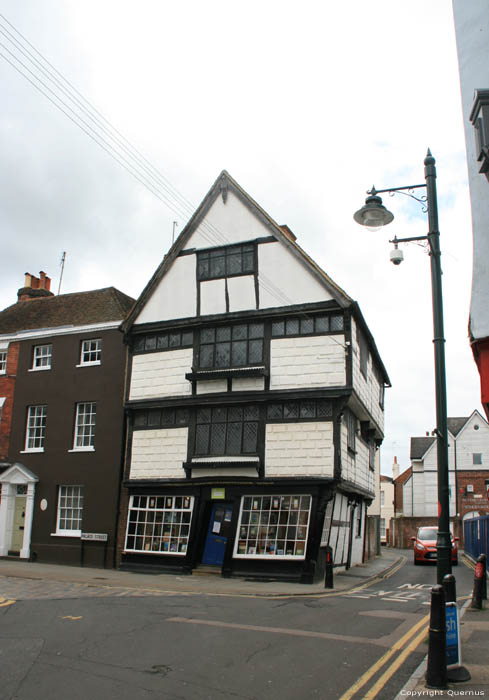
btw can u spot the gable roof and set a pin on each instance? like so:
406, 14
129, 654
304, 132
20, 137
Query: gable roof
224, 184
79, 308
455, 425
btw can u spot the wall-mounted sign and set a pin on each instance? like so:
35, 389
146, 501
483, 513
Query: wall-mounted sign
95, 536
43, 504
218, 494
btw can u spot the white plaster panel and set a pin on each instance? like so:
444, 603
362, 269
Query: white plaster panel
307, 362
213, 297
248, 383
357, 541
175, 295
241, 292
160, 374
158, 453
284, 280
225, 223
212, 386
367, 388
299, 449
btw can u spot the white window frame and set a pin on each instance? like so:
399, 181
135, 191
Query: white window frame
88, 348
35, 432
42, 357
84, 438
3, 362
2, 401
382, 498
382, 528
477, 459
76, 516
159, 522
274, 540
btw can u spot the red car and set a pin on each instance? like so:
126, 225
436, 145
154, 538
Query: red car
425, 545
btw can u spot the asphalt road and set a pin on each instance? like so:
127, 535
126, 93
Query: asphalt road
191, 647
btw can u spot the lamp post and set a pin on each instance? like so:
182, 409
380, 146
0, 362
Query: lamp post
373, 215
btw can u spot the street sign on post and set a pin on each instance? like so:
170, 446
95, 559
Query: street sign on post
454, 651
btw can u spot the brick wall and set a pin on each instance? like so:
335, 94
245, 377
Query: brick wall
7, 388
477, 499
402, 529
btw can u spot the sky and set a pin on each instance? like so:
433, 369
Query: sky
305, 104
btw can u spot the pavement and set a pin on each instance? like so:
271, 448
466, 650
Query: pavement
68, 581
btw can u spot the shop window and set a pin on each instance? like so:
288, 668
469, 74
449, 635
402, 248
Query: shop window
273, 526
159, 524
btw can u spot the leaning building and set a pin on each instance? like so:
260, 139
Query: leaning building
255, 405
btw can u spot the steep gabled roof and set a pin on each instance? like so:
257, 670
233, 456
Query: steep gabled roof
455, 425
222, 186
79, 308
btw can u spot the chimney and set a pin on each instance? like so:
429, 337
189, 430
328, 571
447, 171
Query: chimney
35, 287
395, 469
288, 232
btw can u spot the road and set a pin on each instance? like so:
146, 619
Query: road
60, 641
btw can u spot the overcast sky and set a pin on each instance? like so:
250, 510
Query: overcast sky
305, 104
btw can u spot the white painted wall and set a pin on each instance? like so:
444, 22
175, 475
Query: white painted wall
160, 374
241, 292
314, 361
407, 497
296, 284
367, 388
357, 540
354, 467
299, 449
212, 386
248, 383
175, 295
472, 30
158, 454
473, 438
213, 297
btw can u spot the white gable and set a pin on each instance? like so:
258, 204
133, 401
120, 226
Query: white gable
283, 279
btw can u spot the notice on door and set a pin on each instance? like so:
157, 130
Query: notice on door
216, 528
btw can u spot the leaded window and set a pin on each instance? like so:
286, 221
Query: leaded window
307, 325
163, 341
273, 526
161, 417
226, 431
226, 262
351, 430
159, 524
231, 346
300, 410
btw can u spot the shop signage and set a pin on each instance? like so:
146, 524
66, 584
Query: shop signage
454, 653
94, 536
218, 494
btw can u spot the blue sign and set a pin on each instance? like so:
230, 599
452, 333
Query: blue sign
453, 640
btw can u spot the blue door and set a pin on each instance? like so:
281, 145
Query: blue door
217, 534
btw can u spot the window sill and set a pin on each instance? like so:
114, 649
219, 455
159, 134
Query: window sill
39, 369
33, 449
226, 373
82, 449
89, 364
74, 533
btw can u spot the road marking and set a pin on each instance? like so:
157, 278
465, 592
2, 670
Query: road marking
278, 630
385, 658
5, 601
70, 617
389, 672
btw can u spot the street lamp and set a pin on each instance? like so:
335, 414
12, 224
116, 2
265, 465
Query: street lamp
374, 215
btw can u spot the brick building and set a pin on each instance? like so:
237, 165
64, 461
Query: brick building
416, 489
61, 430
255, 404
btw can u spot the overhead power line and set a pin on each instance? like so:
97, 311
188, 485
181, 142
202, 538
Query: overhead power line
29, 62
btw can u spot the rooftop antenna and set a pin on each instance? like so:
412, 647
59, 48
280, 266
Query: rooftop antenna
62, 263
175, 224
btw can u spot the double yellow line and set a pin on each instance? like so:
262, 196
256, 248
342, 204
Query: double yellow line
419, 629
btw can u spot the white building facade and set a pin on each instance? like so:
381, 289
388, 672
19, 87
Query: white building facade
254, 402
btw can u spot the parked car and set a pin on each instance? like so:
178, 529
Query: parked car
425, 545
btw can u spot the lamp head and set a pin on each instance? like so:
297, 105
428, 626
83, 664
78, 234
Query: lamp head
373, 214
